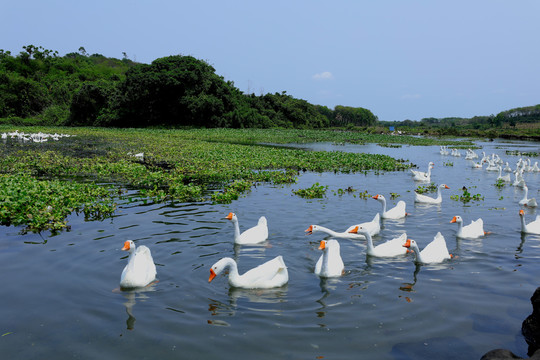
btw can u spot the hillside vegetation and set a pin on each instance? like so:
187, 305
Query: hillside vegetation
39, 87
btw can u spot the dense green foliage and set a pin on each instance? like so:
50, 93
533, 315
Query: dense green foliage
39, 87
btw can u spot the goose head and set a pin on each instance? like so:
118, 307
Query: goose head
218, 267
379, 197
329, 244
410, 244
358, 229
456, 219
129, 246
232, 217
311, 229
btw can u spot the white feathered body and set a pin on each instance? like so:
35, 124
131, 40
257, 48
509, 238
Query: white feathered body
140, 269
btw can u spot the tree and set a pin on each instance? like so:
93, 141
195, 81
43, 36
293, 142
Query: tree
173, 91
357, 116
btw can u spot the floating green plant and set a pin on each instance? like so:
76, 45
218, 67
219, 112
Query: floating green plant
467, 196
522, 153
348, 190
499, 183
315, 191
44, 205
421, 189
364, 195
390, 145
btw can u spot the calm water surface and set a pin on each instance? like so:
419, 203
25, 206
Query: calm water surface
60, 296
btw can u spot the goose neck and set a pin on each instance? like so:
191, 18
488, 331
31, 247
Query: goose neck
417, 253
459, 227
439, 194
236, 229
369, 241
328, 231
233, 269
383, 202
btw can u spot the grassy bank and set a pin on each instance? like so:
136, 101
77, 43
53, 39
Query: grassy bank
44, 182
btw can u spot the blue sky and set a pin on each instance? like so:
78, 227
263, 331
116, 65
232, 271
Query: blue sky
400, 59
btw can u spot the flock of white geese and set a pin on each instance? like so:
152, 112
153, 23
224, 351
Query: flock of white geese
141, 271
38, 137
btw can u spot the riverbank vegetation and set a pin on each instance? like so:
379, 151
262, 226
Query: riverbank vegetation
518, 123
39, 87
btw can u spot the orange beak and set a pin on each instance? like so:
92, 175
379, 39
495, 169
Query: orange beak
212, 275
322, 246
453, 220
446, 187
309, 230
229, 217
375, 197
354, 231
521, 212
407, 243
126, 246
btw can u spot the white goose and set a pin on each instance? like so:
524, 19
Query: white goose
435, 252
531, 228
423, 176
526, 201
477, 165
492, 165
330, 263
506, 178
374, 227
397, 212
519, 180
389, 248
420, 198
472, 231
507, 167
254, 235
470, 155
140, 269
272, 273
528, 167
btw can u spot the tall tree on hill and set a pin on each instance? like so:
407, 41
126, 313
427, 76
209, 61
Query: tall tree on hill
174, 91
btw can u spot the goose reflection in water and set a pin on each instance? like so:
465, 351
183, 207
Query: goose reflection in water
409, 287
131, 297
254, 299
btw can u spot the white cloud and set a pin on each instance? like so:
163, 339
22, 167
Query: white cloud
325, 75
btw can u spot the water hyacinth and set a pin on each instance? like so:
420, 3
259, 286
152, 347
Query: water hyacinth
179, 165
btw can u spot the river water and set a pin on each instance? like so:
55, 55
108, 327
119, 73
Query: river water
60, 296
